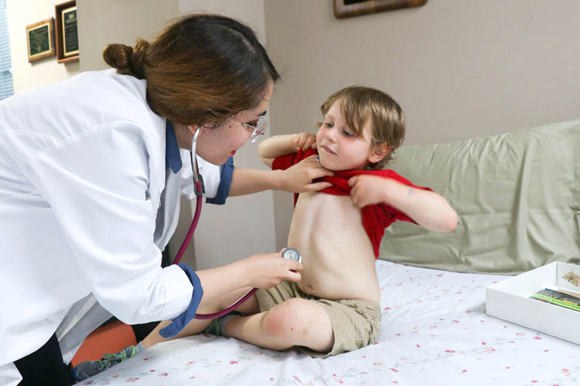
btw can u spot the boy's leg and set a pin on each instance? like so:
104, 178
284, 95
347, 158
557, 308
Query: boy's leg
89, 368
294, 322
194, 327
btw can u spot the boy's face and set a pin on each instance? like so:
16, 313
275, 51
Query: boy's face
340, 148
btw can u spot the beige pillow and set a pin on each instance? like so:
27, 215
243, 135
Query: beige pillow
517, 197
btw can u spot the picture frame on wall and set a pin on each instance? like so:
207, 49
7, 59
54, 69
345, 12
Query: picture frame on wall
349, 8
40, 40
67, 37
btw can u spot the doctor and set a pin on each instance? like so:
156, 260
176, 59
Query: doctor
90, 175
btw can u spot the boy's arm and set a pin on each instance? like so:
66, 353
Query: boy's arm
276, 146
280, 145
426, 208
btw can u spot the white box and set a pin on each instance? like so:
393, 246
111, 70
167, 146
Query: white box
510, 300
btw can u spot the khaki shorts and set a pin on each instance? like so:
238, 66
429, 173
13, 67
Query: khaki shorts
355, 323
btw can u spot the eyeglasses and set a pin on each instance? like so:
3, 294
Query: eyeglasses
257, 130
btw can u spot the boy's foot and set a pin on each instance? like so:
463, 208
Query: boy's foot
87, 369
218, 326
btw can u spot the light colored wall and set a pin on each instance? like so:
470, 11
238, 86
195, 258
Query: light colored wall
245, 225
41, 72
112, 21
458, 68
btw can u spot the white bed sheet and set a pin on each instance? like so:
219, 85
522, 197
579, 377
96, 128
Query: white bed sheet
434, 331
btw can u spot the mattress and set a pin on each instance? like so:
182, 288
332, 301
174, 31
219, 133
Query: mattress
434, 331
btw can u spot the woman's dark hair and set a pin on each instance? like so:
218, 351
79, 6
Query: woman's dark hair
200, 70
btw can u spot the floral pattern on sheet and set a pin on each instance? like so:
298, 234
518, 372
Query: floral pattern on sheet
434, 331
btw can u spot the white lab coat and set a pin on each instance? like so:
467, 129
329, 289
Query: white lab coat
82, 169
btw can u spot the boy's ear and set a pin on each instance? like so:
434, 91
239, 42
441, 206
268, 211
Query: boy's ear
379, 152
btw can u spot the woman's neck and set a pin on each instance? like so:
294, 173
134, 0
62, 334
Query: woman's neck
184, 136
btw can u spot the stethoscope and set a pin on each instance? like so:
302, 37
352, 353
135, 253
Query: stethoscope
199, 189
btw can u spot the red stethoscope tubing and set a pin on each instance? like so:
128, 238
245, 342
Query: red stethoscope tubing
237, 303
190, 232
199, 190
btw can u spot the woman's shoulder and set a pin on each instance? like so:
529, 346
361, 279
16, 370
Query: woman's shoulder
82, 102
110, 80
105, 96
108, 88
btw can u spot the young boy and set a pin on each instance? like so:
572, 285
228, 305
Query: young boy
335, 307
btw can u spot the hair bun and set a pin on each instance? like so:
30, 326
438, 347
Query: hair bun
118, 56
125, 59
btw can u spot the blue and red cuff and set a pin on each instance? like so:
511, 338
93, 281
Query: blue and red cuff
182, 320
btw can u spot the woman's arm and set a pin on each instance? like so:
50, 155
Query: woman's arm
426, 208
259, 271
248, 181
296, 179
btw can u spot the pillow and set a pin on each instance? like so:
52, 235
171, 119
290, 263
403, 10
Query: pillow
516, 194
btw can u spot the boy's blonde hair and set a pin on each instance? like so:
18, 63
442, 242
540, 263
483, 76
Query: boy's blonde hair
360, 105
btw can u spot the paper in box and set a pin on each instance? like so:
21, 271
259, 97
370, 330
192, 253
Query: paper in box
510, 300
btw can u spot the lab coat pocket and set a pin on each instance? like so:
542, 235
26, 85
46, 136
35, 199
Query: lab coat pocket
156, 175
154, 193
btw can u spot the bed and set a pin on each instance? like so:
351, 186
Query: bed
517, 197
434, 331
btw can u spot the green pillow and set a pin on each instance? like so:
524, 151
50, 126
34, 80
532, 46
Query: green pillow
516, 194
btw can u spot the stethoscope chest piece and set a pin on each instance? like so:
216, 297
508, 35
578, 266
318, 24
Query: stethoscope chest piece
292, 254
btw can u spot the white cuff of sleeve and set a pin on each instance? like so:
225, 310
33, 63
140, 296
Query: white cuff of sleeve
178, 292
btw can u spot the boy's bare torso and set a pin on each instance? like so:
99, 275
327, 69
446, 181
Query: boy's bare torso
337, 254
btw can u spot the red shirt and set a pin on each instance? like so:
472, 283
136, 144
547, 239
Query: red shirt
375, 218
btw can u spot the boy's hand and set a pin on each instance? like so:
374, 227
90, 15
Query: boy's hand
304, 141
299, 178
368, 190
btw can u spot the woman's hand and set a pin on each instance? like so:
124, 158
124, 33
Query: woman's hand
300, 177
304, 141
270, 269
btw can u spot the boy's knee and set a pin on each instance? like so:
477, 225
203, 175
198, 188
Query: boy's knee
287, 320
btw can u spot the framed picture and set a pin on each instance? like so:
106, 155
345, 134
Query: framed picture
67, 37
348, 8
40, 39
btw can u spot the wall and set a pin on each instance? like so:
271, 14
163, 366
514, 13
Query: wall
458, 68
245, 225
41, 72
112, 21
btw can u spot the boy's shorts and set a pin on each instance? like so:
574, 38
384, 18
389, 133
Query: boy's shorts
355, 322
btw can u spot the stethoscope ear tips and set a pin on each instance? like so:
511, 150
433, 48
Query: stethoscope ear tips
292, 254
